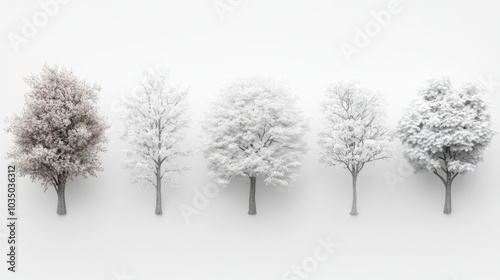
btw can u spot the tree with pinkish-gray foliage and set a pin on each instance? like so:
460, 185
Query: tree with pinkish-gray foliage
445, 131
59, 134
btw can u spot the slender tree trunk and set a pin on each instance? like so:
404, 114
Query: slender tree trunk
252, 208
447, 201
61, 200
158, 210
354, 211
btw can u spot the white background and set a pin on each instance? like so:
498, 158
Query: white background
400, 233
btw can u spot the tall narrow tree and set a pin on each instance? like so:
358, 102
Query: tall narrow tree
154, 118
355, 133
445, 131
59, 134
254, 129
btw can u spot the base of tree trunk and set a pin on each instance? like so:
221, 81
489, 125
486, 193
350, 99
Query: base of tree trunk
159, 207
61, 210
252, 207
354, 211
447, 208
158, 210
447, 202
61, 200
61, 207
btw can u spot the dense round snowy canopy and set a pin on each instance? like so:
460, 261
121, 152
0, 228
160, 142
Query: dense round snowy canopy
254, 129
446, 129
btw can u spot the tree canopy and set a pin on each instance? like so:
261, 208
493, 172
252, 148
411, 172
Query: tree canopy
255, 129
59, 132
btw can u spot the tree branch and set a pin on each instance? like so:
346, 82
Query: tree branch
440, 177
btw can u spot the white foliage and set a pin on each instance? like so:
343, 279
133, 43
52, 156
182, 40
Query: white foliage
355, 133
154, 118
446, 129
59, 131
255, 129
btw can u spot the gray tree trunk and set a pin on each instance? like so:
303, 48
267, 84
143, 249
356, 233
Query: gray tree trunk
61, 200
158, 210
252, 208
447, 201
354, 211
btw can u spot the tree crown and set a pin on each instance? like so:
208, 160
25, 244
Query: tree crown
355, 133
446, 129
59, 131
155, 118
254, 129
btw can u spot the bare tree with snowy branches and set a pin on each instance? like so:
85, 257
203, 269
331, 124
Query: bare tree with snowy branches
154, 118
355, 134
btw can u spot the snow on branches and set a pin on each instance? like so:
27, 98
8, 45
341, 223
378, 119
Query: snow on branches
446, 130
355, 133
155, 118
255, 129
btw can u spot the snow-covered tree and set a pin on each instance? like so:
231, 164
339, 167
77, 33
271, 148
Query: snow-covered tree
446, 130
355, 133
254, 129
155, 118
59, 134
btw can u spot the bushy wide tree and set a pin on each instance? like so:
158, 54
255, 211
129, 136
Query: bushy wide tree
446, 130
355, 133
59, 134
254, 129
154, 117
